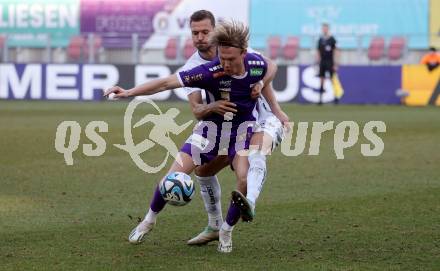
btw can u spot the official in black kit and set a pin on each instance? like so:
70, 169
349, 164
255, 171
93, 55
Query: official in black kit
326, 57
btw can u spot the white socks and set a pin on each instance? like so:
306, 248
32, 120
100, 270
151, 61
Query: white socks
211, 195
150, 217
227, 227
256, 175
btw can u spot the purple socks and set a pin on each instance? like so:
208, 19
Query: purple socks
158, 202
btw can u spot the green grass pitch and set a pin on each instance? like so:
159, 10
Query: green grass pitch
315, 212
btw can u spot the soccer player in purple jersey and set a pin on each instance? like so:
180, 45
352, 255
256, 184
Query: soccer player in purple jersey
268, 134
231, 76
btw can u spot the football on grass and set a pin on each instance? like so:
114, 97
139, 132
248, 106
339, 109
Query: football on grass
177, 188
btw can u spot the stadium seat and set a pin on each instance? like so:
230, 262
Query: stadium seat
188, 48
290, 49
396, 48
2, 46
77, 41
74, 52
274, 45
97, 44
376, 48
74, 48
171, 48
2, 42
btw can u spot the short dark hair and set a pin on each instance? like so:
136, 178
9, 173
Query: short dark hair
202, 15
432, 49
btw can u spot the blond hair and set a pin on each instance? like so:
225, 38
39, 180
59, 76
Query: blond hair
230, 34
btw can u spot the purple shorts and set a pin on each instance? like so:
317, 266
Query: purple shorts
210, 140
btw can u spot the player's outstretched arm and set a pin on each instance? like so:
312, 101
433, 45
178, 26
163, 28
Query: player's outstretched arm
149, 88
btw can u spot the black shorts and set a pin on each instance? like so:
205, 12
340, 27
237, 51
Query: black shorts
325, 66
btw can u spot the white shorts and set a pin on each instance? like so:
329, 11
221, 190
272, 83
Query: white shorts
268, 123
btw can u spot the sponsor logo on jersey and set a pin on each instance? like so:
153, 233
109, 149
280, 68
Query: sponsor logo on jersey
225, 83
193, 78
256, 72
225, 94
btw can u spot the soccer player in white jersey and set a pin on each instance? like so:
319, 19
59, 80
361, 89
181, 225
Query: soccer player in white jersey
268, 134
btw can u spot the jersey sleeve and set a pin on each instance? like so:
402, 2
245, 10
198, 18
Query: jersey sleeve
197, 77
188, 90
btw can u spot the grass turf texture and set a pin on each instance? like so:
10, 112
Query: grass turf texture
315, 213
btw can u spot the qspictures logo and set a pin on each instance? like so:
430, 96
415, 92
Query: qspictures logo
346, 135
163, 125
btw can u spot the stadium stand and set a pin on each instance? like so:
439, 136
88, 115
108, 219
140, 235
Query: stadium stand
379, 50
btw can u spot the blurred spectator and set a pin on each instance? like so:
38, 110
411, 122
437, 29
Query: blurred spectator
431, 59
326, 57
